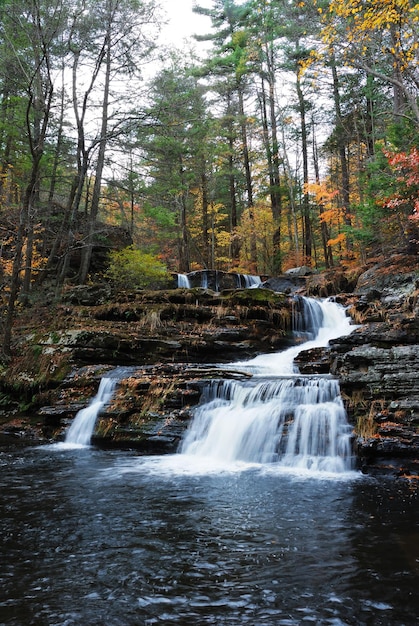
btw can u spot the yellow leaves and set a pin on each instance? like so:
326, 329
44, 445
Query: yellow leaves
223, 238
363, 20
216, 212
304, 64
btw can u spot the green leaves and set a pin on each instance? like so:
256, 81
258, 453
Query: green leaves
130, 268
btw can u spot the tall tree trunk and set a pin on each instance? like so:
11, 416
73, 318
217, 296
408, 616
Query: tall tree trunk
342, 145
234, 218
271, 147
205, 219
184, 256
398, 93
307, 235
249, 184
276, 178
24, 220
325, 235
51, 196
292, 215
6, 140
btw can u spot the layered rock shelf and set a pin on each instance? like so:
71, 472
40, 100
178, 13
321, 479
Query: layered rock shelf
174, 341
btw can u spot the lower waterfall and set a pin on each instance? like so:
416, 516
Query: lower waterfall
81, 430
279, 416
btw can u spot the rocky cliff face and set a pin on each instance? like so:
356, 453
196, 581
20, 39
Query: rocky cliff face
378, 366
171, 339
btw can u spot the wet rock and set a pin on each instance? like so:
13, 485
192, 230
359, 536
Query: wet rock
378, 367
151, 409
313, 361
286, 284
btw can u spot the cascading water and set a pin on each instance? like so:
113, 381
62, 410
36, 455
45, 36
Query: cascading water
214, 279
81, 430
183, 281
248, 281
279, 416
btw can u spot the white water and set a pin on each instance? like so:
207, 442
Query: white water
324, 320
183, 281
81, 430
291, 420
250, 281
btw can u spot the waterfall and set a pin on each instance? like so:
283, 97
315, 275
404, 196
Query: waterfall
183, 281
81, 430
278, 416
307, 317
324, 320
217, 280
248, 281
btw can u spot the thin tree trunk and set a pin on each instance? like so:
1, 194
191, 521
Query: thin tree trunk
18, 256
271, 147
325, 236
184, 257
205, 220
235, 243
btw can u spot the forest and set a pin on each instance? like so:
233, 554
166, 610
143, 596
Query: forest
286, 136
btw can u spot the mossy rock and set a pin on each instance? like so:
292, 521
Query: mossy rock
254, 296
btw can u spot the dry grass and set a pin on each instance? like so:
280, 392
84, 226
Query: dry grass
366, 426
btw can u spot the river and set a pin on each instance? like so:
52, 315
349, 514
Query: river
92, 537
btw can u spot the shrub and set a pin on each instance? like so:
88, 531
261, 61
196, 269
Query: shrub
130, 268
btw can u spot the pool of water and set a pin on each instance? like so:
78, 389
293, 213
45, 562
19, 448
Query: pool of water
92, 537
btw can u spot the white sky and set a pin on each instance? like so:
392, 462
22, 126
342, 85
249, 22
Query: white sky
183, 22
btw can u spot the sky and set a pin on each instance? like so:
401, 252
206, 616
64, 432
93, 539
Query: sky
183, 22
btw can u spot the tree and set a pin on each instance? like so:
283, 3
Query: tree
107, 42
38, 26
264, 21
387, 27
174, 142
228, 68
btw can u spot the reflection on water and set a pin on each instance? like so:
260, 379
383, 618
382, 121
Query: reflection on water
98, 538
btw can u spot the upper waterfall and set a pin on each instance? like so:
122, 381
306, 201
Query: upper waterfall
320, 321
218, 280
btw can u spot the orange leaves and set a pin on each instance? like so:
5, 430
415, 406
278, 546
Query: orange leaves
415, 216
330, 213
325, 198
321, 192
338, 240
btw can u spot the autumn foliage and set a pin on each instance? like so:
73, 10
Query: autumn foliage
405, 199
